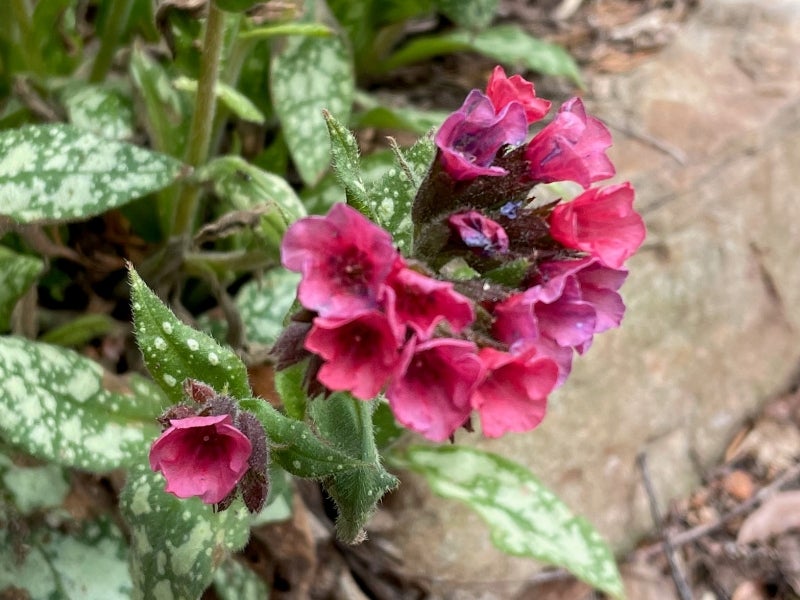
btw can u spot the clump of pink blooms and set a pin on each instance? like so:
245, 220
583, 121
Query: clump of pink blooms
542, 279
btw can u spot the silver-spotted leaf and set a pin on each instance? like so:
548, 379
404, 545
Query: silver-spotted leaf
100, 108
17, 274
176, 545
174, 352
58, 172
525, 518
234, 581
345, 162
32, 488
471, 14
311, 74
62, 407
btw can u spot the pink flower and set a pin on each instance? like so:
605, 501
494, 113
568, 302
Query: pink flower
478, 231
421, 302
572, 147
344, 259
201, 456
602, 222
360, 352
513, 393
431, 393
503, 90
470, 137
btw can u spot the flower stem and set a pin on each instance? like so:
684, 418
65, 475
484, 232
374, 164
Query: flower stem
202, 119
119, 12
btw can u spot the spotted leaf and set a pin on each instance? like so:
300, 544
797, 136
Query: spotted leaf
57, 172
62, 407
174, 351
102, 109
526, 519
17, 274
176, 545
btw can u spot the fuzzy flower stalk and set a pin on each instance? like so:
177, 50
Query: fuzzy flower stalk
485, 314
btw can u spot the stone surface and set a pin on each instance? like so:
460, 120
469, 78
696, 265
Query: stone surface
709, 132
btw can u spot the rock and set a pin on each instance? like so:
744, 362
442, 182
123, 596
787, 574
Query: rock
709, 132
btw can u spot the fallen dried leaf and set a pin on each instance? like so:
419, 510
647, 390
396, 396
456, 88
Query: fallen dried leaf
777, 515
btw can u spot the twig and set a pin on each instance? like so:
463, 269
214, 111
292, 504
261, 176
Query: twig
681, 586
676, 154
690, 535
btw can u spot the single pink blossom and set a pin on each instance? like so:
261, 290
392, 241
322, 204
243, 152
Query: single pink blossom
360, 352
479, 231
471, 136
571, 147
432, 390
513, 393
201, 456
344, 259
421, 302
503, 90
602, 222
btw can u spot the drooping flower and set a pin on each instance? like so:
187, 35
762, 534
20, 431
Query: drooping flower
360, 352
344, 259
571, 147
432, 390
421, 302
602, 222
201, 456
503, 90
480, 232
471, 136
513, 393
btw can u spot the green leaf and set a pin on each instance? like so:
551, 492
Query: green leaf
62, 407
345, 162
405, 119
393, 194
33, 488
101, 109
504, 43
279, 503
289, 385
89, 564
18, 272
174, 351
387, 429
470, 14
235, 5
526, 519
309, 75
58, 172
80, 330
270, 31
233, 99
234, 581
176, 545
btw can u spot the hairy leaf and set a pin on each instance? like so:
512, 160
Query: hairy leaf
102, 109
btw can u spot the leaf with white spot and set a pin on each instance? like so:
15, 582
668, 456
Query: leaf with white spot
233, 99
234, 581
60, 406
393, 194
526, 519
174, 351
57, 172
345, 162
91, 564
176, 545
100, 108
309, 75
32, 488
471, 14
17, 274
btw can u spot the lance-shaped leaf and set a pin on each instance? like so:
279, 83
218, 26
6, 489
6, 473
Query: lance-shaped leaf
32, 488
471, 14
60, 406
173, 351
345, 162
234, 581
57, 172
102, 109
309, 75
176, 545
17, 274
526, 519
233, 99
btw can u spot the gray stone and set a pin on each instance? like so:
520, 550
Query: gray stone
709, 132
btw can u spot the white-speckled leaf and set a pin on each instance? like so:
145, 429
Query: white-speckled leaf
101, 109
60, 406
234, 581
176, 545
57, 172
88, 565
472, 14
32, 488
233, 99
17, 274
173, 351
309, 75
526, 519
393, 194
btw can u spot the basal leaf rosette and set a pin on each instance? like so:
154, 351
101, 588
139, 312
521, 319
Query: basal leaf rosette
497, 289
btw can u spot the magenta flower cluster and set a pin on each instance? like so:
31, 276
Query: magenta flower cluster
545, 279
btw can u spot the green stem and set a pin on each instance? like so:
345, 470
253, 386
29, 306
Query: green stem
119, 12
31, 55
369, 451
202, 119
